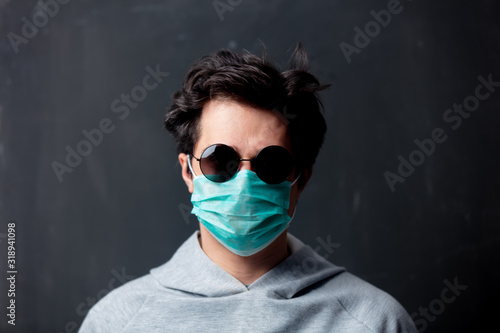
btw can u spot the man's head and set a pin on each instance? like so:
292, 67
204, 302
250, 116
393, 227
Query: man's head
243, 101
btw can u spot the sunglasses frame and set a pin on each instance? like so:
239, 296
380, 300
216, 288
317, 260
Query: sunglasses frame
239, 160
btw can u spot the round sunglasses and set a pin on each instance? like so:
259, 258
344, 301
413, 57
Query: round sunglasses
219, 163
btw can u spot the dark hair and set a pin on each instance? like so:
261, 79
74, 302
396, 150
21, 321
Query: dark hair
254, 81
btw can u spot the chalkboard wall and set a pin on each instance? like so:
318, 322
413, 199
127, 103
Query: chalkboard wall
405, 187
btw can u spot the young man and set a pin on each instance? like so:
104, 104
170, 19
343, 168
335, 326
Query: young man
247, 136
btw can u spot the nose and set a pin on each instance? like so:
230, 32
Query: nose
246, 165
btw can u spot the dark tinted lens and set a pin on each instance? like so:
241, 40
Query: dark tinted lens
273, 164
219, 163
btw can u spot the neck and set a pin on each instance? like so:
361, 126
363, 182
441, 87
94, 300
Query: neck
245, 269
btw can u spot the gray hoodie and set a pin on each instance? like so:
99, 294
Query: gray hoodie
304, 293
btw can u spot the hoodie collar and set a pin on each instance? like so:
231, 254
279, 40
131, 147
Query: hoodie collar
191, 270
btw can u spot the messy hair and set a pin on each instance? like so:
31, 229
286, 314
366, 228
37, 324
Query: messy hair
254, 81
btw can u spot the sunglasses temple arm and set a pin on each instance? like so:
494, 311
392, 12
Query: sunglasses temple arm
300, 174
190, 166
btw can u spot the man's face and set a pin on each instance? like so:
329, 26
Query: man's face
246, 129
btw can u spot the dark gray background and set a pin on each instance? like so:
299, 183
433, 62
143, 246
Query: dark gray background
119, 209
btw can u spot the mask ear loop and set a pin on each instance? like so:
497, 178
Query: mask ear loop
293, 183
191, 167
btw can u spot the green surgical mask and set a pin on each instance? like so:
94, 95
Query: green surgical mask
244, 214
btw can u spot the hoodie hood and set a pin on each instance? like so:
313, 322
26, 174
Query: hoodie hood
190, 270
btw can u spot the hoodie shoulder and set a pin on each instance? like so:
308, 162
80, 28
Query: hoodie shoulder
369, 305
114, 311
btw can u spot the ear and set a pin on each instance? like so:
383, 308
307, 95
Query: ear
186, 173
305, 175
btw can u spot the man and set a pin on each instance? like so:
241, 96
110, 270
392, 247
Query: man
247, 136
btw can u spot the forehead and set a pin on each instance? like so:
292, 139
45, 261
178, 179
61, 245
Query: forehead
245, 128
